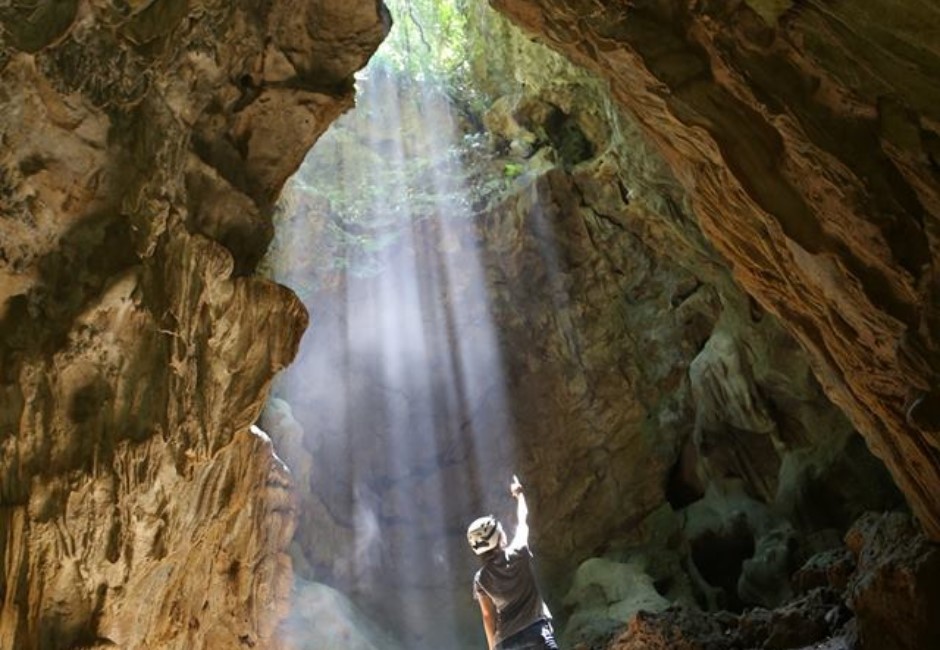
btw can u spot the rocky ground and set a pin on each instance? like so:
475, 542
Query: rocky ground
878, 591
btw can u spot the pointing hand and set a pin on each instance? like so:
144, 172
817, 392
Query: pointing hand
515, 487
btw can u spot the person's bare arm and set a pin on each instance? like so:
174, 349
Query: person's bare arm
521, 537
488, 610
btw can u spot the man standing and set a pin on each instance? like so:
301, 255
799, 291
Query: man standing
514, 615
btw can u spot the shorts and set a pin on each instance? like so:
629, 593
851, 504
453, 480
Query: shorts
538, 636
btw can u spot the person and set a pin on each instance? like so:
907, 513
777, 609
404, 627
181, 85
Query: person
514, 615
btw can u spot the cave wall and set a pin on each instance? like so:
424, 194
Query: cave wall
143, 147
806, 139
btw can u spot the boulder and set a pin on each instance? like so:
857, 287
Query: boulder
896, 585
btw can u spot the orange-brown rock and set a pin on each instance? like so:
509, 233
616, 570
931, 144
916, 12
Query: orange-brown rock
806, 135
896, 585
143, 145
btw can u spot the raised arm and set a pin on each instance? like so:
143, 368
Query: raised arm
521, 537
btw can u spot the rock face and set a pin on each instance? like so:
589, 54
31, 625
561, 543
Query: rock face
875, 592
807, 140
896, 585
143, 147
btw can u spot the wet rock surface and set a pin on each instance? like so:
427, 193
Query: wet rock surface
143, 147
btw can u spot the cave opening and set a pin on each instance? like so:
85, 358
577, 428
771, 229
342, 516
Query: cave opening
399, 386
488, 296
461, 242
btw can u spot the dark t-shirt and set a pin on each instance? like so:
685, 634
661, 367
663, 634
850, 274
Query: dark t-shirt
507, 578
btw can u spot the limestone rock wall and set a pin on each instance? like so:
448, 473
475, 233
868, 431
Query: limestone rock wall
806, 138
143, 145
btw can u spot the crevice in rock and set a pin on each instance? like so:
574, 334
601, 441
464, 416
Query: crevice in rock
684, 487
719, 557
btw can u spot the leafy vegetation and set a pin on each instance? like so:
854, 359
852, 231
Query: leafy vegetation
434, 43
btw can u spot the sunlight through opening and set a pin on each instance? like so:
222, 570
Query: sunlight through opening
399, 382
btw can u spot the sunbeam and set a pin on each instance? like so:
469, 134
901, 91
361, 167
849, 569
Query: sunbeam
400, 384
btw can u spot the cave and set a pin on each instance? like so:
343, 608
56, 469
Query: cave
290, 291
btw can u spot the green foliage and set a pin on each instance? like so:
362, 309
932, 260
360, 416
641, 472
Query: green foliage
430, 43
512, 170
